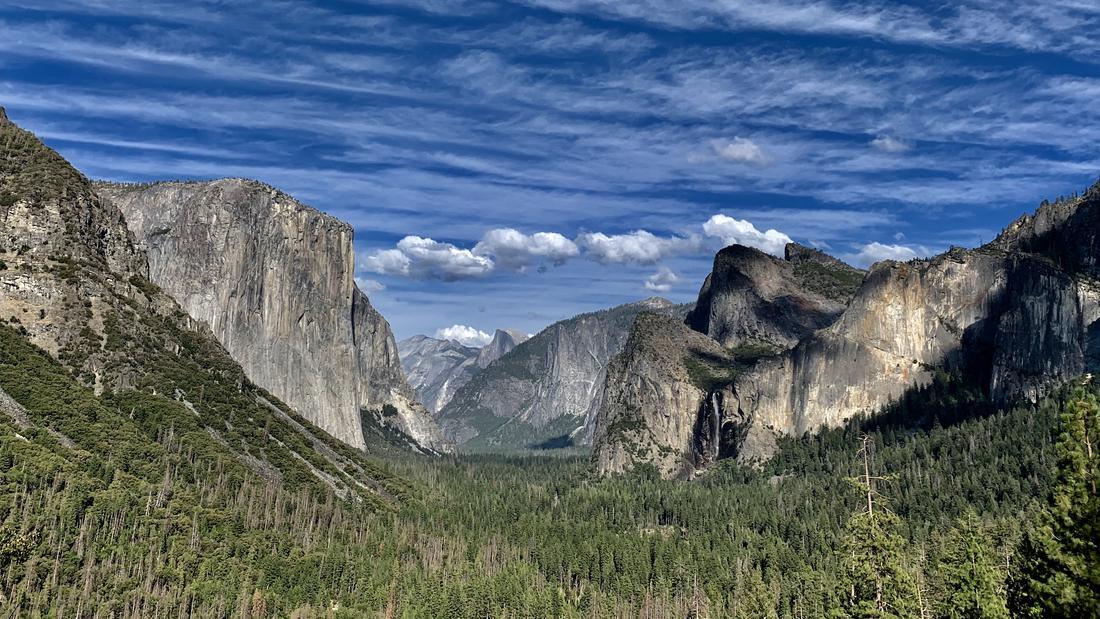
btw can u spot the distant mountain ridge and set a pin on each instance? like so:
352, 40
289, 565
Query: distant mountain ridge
544, 392
438, 368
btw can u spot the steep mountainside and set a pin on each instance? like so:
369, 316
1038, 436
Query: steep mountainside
273, 279
437, 369
665, 393
104, 370
753, 298
665, 368
544, 392
1018, 316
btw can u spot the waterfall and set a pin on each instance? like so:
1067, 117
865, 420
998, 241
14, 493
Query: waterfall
715, 425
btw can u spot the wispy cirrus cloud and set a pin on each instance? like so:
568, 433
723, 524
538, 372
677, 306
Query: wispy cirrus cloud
1051, 26
500, 139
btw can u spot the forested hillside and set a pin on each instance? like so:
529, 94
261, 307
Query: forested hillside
104, 513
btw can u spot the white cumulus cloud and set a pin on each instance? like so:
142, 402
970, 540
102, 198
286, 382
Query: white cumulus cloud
889, 144
515, 250
743, 232
638, 247
424, 258
740, 150
661, 281
387, 262
467, 336
874, 252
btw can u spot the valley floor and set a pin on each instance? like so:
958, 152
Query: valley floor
496, 536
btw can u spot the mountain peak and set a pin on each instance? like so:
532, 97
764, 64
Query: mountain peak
744, 252
752, 297
504, 340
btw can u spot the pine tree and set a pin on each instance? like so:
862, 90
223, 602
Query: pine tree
969, 582
755, 597
1058, 562
876, 582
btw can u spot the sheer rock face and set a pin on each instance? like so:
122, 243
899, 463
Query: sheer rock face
1022, 311
273, 280
751, 297
549, 386
672, 383
75, 283
657, 406
437, 369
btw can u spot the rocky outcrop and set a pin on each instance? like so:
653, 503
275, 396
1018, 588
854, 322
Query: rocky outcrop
753, 298
1021, 312
547, 390
437, 369
672, 383
662, 401
1021, 315
66, 258
274, 281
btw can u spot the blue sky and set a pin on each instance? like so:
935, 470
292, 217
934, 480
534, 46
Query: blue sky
512, 164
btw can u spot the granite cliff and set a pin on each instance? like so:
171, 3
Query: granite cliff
117, 369
1020, 315
274, 281
544, 392
504, 340
660, 400
751, 297
665, 394
437, 368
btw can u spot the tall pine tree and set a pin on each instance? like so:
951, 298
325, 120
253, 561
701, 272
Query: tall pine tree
1058, 564
876, 582
969, 582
